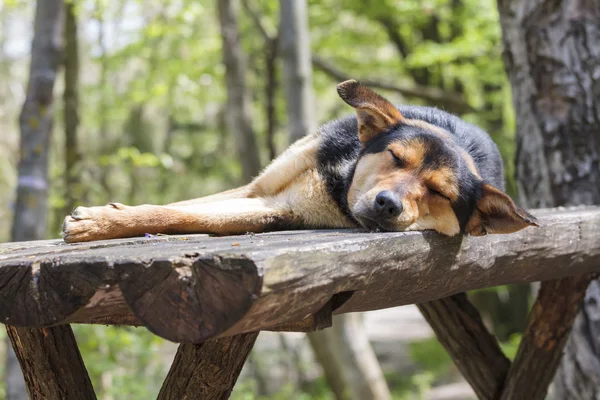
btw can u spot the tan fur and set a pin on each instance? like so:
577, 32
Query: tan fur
411, 153
497, 213
377, 172
307, 196
292, 163
470, 163
373, 112
436, 214
443, 181
442, 133
289, 192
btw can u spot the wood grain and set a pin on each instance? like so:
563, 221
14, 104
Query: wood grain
192, 288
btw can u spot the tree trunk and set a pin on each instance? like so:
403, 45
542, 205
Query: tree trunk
71, 110
238, 113
294, 42
552, 58
36, 122
351, 368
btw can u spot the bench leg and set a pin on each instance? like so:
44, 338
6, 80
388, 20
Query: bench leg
51, 363
208, 370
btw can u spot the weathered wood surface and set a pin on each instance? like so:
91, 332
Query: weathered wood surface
475, 351
51, 363
192, 288
548, 328
209, 370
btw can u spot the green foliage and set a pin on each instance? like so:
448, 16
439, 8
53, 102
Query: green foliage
122, 362
511, 346
152, 122
318, 390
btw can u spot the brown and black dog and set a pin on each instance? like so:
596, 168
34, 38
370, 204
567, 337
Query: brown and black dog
387, 168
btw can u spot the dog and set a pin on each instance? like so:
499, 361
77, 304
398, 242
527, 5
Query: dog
386, 168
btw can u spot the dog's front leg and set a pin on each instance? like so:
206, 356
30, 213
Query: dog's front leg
228, 217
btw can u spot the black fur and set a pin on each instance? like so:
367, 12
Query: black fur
340, 151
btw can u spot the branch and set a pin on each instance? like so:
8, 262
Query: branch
542, 344
255, 16
475, 351
450, 101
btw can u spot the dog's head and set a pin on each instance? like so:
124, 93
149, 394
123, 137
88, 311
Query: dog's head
413, 176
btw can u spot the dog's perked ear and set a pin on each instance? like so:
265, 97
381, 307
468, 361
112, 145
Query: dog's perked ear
497, 213
374, 113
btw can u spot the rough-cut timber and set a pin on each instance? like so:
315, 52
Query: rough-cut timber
207, 371
51, 363
548, 329
476, 353
192, 288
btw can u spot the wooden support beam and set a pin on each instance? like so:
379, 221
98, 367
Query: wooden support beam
51, 363
193, 288
475, 351
207, 371
542, 344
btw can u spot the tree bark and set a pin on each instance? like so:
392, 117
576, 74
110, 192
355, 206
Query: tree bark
71, 109
36, 122
271, 45
552, 57
541, 347
208, 370
51, 363
349, 362
238, 113
294, 42
475, 352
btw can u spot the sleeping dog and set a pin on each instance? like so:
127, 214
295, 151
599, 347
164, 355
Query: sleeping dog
386, 168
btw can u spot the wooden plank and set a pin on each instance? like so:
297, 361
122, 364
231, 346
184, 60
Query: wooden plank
542, 344
474, 350
208, 370
192, 288
51, 363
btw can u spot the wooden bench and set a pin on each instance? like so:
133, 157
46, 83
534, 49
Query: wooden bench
214, 294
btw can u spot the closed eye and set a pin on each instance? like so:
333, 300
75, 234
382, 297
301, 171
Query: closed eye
397, 159
436, 193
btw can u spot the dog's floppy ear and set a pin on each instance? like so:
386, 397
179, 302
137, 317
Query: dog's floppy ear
375, 114
497, 213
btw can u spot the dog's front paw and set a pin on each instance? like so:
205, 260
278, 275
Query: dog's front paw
94, 223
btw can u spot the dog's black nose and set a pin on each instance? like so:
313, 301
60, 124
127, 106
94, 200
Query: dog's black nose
387, 204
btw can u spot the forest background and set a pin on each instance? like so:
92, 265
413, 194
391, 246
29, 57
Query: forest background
150, 121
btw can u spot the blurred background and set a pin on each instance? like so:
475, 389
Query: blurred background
147, 119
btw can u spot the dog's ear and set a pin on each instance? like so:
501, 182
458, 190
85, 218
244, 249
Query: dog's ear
375, 114
497, 213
